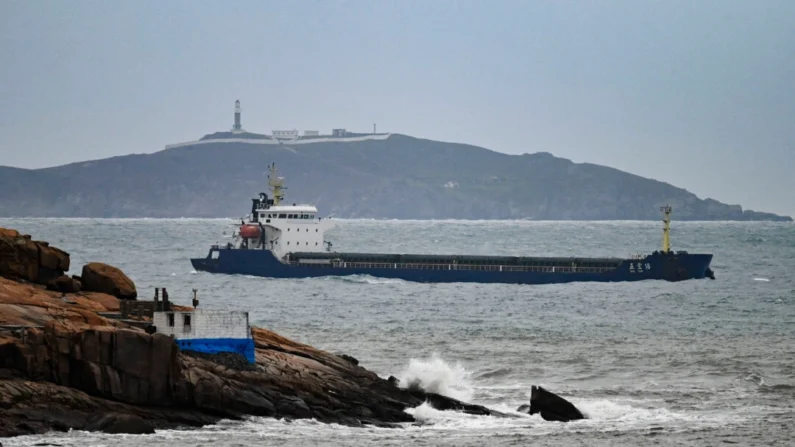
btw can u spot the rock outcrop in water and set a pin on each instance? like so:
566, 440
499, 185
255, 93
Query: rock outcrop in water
63, 365
550, 406
78, 367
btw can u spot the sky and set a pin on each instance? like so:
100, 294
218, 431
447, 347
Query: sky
698, 94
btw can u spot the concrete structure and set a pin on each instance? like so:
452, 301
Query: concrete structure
208, 331
145, 309
136, 309
285, 134
278, 137
275, 141
237, 127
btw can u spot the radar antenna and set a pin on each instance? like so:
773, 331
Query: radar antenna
666, 228
276, 184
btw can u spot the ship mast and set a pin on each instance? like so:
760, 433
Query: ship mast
276, 184
666, 228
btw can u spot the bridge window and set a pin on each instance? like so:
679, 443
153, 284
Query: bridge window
282, 216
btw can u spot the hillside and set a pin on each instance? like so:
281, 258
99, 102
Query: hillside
397, 177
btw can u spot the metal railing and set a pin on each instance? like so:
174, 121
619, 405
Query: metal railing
464, 267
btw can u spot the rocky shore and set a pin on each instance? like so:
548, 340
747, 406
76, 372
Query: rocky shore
65, 365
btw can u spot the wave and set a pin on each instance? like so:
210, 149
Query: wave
602, 415
434, 375
494, 373
367, 279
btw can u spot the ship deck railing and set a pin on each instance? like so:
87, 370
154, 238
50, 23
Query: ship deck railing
469, 267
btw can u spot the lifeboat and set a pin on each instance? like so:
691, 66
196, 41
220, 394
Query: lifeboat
249, 231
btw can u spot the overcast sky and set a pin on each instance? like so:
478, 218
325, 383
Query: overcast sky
700, 94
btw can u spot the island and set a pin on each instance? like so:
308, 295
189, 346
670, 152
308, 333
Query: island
380, 176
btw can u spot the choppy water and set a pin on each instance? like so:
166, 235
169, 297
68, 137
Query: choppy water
692, 363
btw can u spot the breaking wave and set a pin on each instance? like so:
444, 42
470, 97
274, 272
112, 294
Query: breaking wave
434, 375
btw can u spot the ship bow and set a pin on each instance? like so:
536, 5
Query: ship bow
698, 266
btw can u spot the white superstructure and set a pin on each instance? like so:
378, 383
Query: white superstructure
281, 228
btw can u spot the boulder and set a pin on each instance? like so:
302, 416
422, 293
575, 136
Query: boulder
7, 232
52, 257
350, 359
29, 260
444, 403
116, 423
19, 258
64, 284
551, 406
104, 278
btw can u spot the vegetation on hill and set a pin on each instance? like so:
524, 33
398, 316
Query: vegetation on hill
399, 177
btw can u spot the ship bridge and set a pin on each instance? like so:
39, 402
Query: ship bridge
282, 228
288, 212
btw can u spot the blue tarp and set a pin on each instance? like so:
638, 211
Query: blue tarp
243, 346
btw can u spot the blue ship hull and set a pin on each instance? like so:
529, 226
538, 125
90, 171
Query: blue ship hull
660, 266
242, 346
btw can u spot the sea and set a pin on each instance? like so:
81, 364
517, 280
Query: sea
699, 362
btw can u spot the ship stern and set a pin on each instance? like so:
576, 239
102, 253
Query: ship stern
201, 264
208, 263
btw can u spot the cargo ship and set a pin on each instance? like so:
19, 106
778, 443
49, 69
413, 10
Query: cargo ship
288, 241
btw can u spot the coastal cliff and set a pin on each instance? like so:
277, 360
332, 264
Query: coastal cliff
65, 364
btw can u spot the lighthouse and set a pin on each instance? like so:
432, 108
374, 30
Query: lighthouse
236, 127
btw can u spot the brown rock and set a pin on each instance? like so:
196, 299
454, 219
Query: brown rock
64, 284
29, 260
53, 258
124, 365
99, 277
7, 232
23, 304
19, 258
